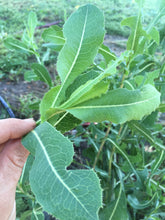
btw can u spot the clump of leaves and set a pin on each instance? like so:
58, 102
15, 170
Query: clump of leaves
120, 94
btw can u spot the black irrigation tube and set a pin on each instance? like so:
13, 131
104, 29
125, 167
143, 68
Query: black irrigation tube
8, 109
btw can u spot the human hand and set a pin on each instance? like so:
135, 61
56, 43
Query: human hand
12, 158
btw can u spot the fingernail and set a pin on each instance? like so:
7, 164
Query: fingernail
30, 120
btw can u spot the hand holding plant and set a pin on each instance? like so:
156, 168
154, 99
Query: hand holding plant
12, 158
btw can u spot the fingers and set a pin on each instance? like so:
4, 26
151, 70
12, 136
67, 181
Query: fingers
12, 160
15, 128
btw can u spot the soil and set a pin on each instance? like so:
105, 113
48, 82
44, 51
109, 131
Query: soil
15, 93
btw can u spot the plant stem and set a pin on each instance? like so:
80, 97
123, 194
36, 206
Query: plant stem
158, 185
101, 146
123, 78
38, 59
25, 193
38, 122
110, 162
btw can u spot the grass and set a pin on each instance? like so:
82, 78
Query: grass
13, 13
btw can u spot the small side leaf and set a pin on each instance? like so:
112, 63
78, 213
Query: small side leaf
54, 34
37, 215
14, 44
47, 100
161, 108
134, 202
42, 73
32, 23
107, 54
145, 133
136, 32
30, 76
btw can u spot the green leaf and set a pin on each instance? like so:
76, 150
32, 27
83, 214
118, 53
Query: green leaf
14, 44
107, 54
154, 33
161, 108
157, 163
133, 201
84, 33
83, 94
136, 32
42, 73
96, 91
30, 76
47, 100
35, 105
145, 132
53, 46
118, 105
25, 215
148, 78
32, 23
37, 215
89, 87
80, 80
66, 123
111, 211
140, 184
54, 34
67, 194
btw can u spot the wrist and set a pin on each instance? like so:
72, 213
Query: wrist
7, 204
13, 213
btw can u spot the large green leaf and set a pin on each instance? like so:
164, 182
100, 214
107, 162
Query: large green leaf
118, 105
84, 33
67, 194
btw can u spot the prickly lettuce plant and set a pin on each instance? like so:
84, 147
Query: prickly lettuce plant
121, 95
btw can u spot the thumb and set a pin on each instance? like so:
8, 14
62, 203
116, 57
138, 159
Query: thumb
12, 160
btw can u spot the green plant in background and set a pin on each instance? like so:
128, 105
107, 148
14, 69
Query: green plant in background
125, 95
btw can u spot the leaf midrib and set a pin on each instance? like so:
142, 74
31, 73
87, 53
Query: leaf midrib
107, 52
113, 106
55, 36
43, 76
22, 48
56, 173
77, 54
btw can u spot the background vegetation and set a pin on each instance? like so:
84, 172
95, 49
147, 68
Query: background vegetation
13, 68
